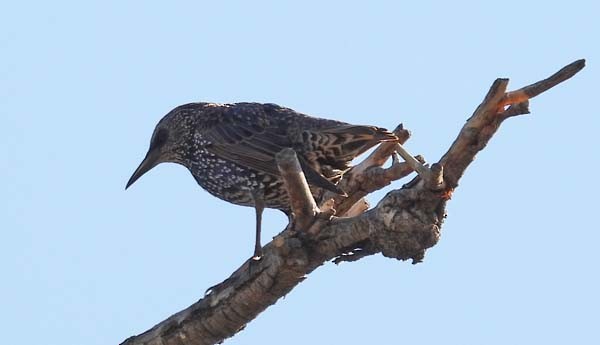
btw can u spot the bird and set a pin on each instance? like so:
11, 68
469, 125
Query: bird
230, 151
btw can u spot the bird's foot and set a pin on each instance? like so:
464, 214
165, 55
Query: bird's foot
254, 263
257, 254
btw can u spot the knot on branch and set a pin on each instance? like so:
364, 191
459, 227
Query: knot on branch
411, 224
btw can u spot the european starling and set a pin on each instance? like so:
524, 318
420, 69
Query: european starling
230, 151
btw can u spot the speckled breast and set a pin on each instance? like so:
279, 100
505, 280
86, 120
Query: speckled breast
235, 183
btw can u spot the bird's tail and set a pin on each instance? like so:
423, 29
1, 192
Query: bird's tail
332, 149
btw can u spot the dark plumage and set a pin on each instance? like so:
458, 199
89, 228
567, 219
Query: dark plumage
230, 150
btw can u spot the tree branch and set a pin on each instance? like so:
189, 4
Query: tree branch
488, 116
302, 202
402, 225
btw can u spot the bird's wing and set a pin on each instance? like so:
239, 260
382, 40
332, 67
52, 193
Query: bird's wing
255, 147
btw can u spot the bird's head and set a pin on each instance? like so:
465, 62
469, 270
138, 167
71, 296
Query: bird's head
172, 137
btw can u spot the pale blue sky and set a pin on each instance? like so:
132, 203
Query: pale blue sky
82, 86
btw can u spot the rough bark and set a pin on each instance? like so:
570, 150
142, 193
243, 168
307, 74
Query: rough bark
403, 225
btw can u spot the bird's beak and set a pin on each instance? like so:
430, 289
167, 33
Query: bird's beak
150, 161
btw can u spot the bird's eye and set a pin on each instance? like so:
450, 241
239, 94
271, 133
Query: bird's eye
160, 138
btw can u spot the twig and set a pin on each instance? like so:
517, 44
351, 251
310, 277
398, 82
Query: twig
528, 92
368, 176
414, 163
302, 202
381, 154
436, 177
352, 256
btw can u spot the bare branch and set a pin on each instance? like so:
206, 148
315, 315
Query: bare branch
436, 177
412, 162
302, 202
528, 92
402, 225
488, 116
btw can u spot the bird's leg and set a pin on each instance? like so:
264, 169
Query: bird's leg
259, 206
